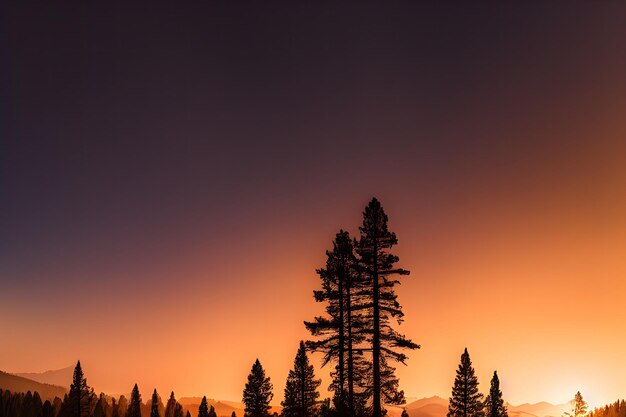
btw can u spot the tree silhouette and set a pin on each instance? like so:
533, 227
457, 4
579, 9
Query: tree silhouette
203, 410
257, 393
466, 400
134, 406
579, 406
301, 388
233, 414
494, 404
154, 406
99, 410
212, 412
342, 331
170, 407
376, 265
81, 398
404, 413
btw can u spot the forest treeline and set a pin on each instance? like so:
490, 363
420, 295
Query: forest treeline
357, 337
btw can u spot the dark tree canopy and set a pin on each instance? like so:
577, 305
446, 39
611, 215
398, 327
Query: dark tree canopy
494, 404
257, 393
203, 410
134, 406
81, 398
154, 406
301, 388
466, 400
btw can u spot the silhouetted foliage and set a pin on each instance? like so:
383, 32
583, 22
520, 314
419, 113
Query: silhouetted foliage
100, 409
134, 406
170, 407
377, 267
494, 404
233, 414
466, 400
212, 412
617, 409
404, 413
154, 405
203, 409
257, 393
301, 387
81, 398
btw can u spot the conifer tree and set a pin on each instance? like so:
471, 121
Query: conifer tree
466, 400
81, 398
579, 406
404, 413
257, 393
203, 410
233, 414
377, 266
134, 406
494, 404
178, 410
115, 411
342, 331
212, 412
99, 410
301, 388
154, 406
188, 414
170, 407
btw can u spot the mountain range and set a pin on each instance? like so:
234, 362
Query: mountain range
54, 383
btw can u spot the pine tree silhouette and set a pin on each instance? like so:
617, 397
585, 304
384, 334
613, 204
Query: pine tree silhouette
376, 265
233, 414
154, 406
170, 407
404, 413
99, 410
343, 330
81, 397
212, 412
494, 404
203, 410
466, 400
257, 393
134, 406
301, 388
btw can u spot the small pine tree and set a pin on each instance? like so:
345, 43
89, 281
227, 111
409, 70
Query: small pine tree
154, 406
301, 387
494, 404
233, 414
178, 411
257, 393
134, 406
99, 411
212, 412
404, 413
466, 400
170, 407
188, 414
203, 410
579, 406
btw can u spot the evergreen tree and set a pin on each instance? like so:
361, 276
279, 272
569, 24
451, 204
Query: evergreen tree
212, 412
494, 404
81, 398
301, 387
579, 406
47, 410
466, 400
178, 410
376, 265
115, 410
122, 405
404, 413
233, 414
203, 410
99, 410
342, 331
154, 406
134, 406
188, 414
257, 393
170, 407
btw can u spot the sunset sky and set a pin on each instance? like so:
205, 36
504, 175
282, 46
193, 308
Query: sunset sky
171, 177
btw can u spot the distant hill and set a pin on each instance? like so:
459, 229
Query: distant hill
61, 377
222, 408
438, 407
16, 383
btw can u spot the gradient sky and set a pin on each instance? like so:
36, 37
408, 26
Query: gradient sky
170, 178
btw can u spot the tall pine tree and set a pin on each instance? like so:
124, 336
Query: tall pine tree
342, 331
466, 400
81, 398
257, 393
134, 406
301, 388
377, 267
494, 404
154, 405
170, 407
